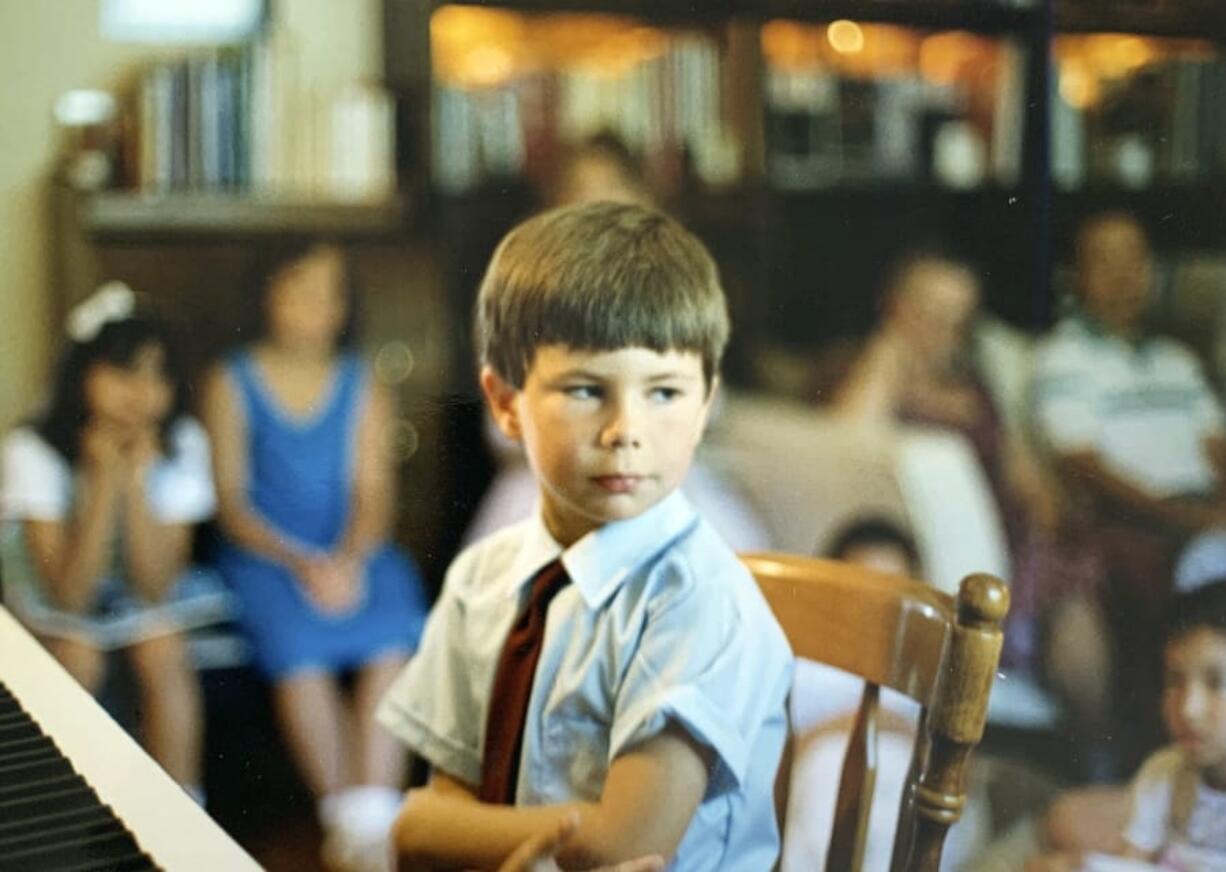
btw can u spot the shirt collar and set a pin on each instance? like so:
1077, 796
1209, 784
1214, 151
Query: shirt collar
599, 562
1098, 330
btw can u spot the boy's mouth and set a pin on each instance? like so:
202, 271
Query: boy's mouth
618, 484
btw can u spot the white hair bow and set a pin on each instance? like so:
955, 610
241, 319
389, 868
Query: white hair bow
114, 301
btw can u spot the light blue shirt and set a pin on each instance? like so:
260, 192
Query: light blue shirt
661, 624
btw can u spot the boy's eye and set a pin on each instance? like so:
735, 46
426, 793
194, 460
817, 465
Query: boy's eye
665, 393
582, 392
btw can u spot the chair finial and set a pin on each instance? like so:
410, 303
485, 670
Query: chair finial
983, 600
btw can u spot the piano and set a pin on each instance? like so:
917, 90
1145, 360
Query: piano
77, 792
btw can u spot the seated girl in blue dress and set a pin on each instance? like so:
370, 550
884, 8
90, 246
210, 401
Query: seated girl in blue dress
306, 491
99, 495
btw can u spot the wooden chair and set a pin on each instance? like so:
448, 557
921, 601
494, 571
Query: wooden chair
895, 633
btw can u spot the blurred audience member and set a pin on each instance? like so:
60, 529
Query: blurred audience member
824, 702
916, 369
306, 493
1137, 435
601, 167
1174, 815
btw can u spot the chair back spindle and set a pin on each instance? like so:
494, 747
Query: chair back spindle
903, 635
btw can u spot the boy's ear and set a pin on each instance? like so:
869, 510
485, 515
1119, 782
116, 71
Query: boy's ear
711, 400
500, 397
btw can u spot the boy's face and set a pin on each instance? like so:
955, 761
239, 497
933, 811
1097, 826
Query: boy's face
1194, 699
1115, 273
608, 433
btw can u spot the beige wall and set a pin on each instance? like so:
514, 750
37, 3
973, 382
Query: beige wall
50, 46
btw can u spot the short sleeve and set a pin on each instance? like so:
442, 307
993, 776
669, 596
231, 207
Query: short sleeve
1206, 409
710, 662
181, 487
35, 481
1152, 788
431, 705
1063, 399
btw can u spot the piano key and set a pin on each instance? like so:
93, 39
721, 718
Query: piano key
76, 792
98, 848
42, 827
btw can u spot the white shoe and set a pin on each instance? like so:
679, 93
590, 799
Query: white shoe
357, 824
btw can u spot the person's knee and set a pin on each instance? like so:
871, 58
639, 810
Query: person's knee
162, 663
84, 663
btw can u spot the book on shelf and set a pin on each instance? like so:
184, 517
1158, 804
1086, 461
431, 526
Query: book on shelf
1166, 122
234, 120
667, 107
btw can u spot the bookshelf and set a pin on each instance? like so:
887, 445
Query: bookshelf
115, 216
763, 217
1011, 222
1183, 18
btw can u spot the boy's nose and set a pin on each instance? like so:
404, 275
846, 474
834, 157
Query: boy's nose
622, 429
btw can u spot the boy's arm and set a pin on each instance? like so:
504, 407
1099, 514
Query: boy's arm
650, 795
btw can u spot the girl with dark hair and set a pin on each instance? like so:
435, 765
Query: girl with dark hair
306, 493
99, 496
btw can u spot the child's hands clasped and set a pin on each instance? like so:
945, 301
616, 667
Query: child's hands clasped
333, 583
538, 854
119, 454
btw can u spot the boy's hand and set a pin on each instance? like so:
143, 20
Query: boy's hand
538, 853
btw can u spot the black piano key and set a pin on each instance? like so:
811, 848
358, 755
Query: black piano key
85, 849
53, 785
50, 817
48, 825
35, 768
66, 832
136, 862
16, 733
71, 796
35, 751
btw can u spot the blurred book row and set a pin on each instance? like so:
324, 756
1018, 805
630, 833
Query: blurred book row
237, 120
1165, 122
837, 103
666, 103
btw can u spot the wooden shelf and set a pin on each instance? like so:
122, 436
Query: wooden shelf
978, 15
1183, 215
1204, 19
982, 16
145, 216
679, 11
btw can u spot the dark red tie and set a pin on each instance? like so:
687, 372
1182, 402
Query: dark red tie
504, 726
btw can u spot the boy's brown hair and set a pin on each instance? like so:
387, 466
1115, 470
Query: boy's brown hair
599, 277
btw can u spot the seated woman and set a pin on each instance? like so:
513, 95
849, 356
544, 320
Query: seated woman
917, 368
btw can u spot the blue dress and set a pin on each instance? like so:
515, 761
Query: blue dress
300, 473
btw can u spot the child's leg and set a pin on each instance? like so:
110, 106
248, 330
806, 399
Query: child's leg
172, 716
313, 721
84, 663
1079, 657
381, 754
1079, 665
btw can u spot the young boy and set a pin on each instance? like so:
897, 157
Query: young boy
1179, 796
656, 707
1176, 814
